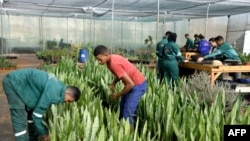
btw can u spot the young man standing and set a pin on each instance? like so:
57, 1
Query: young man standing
159, 49
171, 57
34, 91
134, 82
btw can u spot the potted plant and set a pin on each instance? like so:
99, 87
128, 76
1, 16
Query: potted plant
245, 58
150, 54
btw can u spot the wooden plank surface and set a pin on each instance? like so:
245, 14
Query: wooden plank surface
188, 55
215, 71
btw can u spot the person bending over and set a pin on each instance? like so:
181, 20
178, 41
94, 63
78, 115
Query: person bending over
31, 92
134, 81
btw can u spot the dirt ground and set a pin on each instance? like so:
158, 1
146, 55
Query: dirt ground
22, 61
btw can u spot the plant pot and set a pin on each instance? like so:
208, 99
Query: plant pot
246, 63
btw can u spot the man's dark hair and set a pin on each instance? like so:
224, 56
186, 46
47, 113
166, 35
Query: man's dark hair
196, 35
167, 33
75, 92
186, 34
100, 49
172, 37
201, 36
212, 39
218, 38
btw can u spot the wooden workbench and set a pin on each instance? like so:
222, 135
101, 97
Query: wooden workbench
187, 55
215, 71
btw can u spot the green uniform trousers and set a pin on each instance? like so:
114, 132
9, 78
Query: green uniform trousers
18, 114
160, 70
171, 71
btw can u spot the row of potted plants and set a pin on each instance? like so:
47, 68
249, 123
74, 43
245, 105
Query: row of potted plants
54, 55
5, 64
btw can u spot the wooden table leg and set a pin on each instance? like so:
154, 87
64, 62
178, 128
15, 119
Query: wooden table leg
213, 77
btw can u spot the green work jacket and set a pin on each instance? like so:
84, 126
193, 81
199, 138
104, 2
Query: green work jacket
38, 90
222, 52
159, 49
172, 52
189, 44
196, 43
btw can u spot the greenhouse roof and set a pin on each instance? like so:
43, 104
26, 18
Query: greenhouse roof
126, 10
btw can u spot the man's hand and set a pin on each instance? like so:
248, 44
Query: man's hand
115, 96
200, 59
45, 138
186, 61
112, 88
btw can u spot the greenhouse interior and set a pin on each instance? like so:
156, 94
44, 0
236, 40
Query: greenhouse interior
189, 97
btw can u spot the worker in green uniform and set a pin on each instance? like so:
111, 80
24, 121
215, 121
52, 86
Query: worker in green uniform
189, 43
33, 91
159, 49
223, 51
171, 56
196, 42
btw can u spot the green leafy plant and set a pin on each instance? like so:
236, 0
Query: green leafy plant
192, 113
200, 86
149, 41
150, 53
244, 57
6, 64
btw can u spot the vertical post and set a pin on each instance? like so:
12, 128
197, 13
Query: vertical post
67, 29
90, 26
1, 1
207, 19
75, 26
158, 19
41, 42
112, 28
9, 49
135, 31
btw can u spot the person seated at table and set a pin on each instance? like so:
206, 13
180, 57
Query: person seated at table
223, 51
196, 42
213, 44
189, 43
204, 46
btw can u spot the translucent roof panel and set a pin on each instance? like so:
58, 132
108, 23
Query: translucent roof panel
126, 10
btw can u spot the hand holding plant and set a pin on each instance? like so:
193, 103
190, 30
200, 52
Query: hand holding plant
112, 88
115, 96
44, 138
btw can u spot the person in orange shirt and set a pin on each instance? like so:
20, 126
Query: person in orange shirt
134, 81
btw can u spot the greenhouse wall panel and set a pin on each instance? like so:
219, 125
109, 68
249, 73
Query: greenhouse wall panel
55, 28
197, 26
126, 34
4, 34
248, 21
210, 27
217, 26
181, 28
23, 31
86, 30
237, 26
